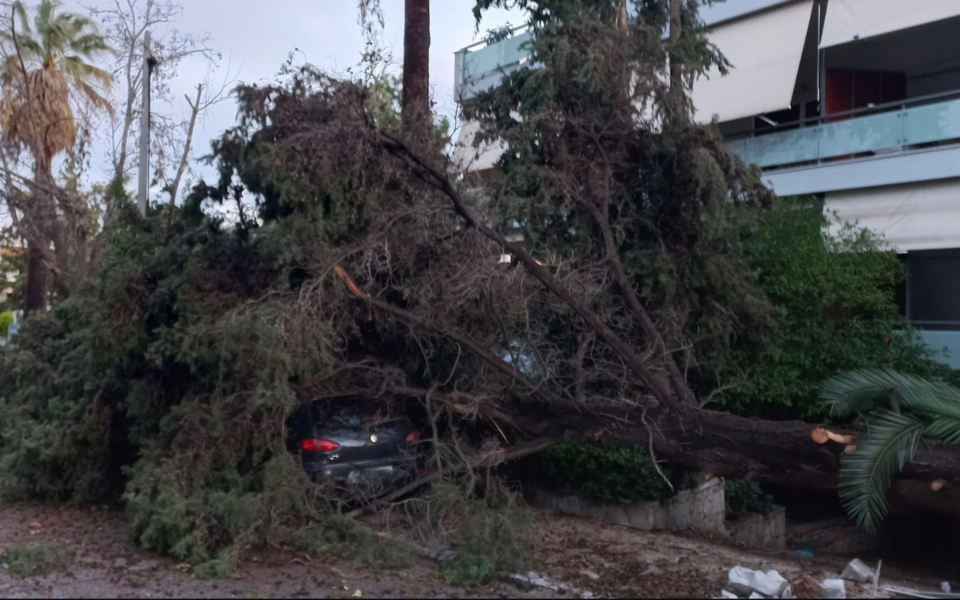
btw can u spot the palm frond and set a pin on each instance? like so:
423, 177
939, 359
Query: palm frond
867, 473
21, 10
862, 391
942, 428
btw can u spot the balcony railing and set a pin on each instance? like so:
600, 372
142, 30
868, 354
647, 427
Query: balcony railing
480, 65
872, 131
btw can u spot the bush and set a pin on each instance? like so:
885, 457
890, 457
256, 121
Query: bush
608, 473
834, 290
743, 497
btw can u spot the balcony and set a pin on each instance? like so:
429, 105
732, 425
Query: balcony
481, 65
874, 131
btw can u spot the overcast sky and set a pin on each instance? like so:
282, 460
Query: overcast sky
255, 37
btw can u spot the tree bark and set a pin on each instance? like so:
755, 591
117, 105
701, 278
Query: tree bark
35, 296
773, 452
676, 64
415, 110
185, 157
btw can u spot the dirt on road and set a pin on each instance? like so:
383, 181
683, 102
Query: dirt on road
98, 560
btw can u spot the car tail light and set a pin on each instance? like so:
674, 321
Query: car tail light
413, 437
318, 446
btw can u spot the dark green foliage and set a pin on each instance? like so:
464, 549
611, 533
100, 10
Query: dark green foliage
31, 560
491, 543
594, 155
165, 381
343, 538
743, 497
606, 473
834, 289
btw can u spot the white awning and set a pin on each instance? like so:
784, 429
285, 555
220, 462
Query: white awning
849, 20
466, 158
916, 216
765, 52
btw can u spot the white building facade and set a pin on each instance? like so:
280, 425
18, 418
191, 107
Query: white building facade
854, 100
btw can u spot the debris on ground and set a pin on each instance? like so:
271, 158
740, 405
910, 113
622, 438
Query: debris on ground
857, 572
806, 587
920, 595
747, 582
535, 580
834, 589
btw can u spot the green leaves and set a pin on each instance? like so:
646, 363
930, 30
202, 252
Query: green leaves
931, 409
833, 288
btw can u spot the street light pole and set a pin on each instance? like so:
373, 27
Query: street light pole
148, 62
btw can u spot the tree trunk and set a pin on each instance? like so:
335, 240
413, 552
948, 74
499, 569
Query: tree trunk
35, 297
187, 143
41, 219
415, 110
676, 65
775, 452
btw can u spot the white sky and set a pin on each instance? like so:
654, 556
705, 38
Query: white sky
255, 37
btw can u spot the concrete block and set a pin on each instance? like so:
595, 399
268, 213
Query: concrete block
857, 572
747, 581
569, 505
617, 515
834, 589
642, 516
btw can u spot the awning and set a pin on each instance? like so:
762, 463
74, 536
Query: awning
466, 158
849, 20
765, 52
916, 216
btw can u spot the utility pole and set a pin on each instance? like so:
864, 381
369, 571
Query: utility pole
148, 63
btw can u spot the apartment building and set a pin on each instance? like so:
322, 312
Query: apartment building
854, 100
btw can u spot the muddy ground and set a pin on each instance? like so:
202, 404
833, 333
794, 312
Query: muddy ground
609, 561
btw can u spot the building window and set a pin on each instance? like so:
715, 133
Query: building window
933, 289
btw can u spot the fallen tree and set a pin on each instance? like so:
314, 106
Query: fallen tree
363, 265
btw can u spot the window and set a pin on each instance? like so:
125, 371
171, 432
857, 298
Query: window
933, 289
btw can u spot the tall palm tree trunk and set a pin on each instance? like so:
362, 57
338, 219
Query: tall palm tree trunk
42, 221
676, 64
416, 68
35, 297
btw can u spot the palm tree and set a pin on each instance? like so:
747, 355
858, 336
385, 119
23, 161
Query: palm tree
47, 73
415, 105
415, 100
901, 410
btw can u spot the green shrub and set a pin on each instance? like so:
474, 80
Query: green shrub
743, 497
607, 473
834, 290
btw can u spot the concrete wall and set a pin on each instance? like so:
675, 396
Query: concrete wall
701, 510
760, 530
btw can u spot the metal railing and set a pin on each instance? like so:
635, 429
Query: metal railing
481, 62
874, 130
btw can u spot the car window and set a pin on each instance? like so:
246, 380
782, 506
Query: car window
353, 414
